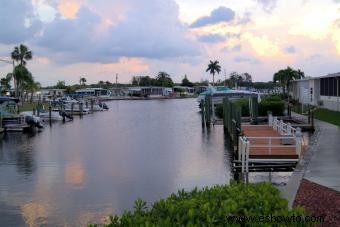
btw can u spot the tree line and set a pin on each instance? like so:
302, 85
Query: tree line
25, 85
281, 78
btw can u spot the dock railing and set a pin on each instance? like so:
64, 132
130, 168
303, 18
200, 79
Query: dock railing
280, 126
271, 144
267, 146
243, 153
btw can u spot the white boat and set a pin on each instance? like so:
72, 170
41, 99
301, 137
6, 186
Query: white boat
32, 120
12, 121
55, 116
71, 105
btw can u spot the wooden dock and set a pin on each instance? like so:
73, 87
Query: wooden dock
266, 143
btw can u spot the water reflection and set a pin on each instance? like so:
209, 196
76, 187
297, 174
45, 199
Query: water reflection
15, 148
35, 214
75, 175
84, 170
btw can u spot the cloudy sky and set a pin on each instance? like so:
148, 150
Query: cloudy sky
99, 38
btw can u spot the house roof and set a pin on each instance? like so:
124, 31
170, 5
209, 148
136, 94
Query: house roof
319, 77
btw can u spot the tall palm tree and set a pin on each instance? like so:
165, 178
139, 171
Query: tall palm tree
21, 55
82, 81
213, 67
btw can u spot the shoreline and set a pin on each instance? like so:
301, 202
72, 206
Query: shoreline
114, 98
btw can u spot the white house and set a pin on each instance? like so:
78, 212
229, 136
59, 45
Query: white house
321, 91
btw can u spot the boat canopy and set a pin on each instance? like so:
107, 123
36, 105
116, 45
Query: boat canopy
218, 93
7, 99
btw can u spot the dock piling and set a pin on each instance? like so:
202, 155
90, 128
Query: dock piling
50, 114
92, 103
81, 109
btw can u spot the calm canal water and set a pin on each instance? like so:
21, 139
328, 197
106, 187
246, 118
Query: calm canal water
81, 171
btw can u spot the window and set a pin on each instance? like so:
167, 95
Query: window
331, 86
322, 86
338, 88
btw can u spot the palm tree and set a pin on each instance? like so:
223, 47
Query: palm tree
284, 76
23, 78
82, 81
21, 55
213, 67
33, 86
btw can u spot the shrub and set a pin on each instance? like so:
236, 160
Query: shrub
244, 104
273, 98
219, 110
276, 107
211, 207
271, 103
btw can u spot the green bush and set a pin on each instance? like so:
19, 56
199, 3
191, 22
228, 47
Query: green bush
270, 98
276, 107
271, 103
211, 207
244, 104
219, 110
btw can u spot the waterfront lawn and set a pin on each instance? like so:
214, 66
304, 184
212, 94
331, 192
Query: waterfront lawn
329, 116
29, 106
219, 205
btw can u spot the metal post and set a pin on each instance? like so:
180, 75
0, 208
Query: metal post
289, 129
72, 104
239, 148
50, 114
247, 162
213, 111
270, 119
202, 111
81, 109
242, 157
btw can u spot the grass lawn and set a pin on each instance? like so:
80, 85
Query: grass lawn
329, 116
29, 106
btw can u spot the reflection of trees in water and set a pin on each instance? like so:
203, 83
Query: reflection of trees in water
17, 148
10, 215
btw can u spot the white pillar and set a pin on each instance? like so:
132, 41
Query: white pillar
270, 119
298, 138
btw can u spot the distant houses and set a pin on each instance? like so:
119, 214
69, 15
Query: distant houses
93, 92
321, 91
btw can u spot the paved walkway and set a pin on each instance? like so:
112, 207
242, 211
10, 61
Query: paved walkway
324, 166
321, 164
